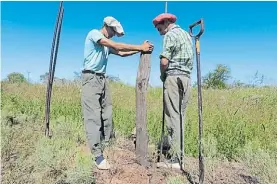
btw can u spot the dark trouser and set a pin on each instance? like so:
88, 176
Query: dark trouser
97, 111
172, 112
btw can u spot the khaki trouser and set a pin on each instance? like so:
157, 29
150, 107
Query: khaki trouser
97, 111
172, 112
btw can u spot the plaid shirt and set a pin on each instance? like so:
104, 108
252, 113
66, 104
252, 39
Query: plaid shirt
178, 49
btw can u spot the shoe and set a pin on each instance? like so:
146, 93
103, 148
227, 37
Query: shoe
102, 164
170, 164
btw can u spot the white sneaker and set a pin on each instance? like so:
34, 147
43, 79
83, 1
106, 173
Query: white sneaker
169, 165
104, 165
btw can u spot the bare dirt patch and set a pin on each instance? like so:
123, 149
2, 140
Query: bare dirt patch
126, 170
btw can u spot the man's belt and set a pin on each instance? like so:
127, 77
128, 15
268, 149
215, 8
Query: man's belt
177, 74
92, 72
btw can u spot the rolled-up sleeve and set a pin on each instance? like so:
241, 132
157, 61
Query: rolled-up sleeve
168, 46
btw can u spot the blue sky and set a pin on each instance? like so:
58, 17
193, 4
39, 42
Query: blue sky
241, 35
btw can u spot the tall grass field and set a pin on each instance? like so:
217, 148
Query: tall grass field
240, 124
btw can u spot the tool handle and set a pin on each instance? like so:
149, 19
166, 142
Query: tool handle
201, 22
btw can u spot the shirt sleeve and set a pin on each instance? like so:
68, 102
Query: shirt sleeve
168, 46
95, 36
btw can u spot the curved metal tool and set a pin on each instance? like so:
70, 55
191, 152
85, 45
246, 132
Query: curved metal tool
52, 66
197, 48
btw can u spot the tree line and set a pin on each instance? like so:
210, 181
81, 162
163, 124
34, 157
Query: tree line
219, 78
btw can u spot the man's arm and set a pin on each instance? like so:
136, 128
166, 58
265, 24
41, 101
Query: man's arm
125, 47
122, 53
163, 67
168, 46
163, 64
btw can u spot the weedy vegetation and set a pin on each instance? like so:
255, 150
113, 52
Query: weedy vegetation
239, 125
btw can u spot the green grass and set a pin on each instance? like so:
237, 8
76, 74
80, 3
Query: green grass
238, 123
29, 157
175, 180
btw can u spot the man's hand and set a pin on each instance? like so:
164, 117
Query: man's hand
147, 47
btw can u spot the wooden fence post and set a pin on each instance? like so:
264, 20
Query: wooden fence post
141, 109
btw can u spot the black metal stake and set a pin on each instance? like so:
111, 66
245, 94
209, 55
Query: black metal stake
52, 66
162, 136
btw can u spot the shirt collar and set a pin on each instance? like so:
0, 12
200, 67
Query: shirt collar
173, 27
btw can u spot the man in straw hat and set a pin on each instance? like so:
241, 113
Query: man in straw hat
96, 98
176, 61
